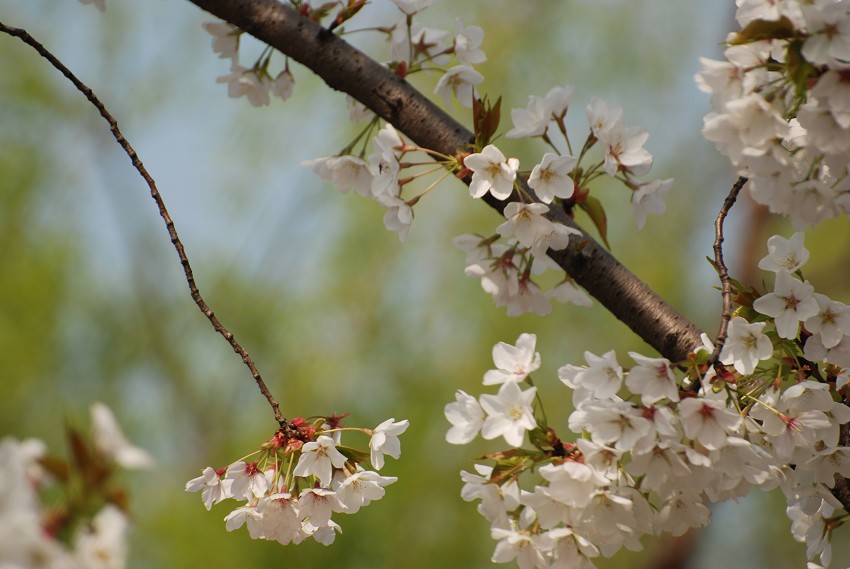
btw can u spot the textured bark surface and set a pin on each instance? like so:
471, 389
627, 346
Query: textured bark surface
346, 69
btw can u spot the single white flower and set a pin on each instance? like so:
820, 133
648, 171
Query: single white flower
110, 441
649, 198
491, 172
624, 150
317, 505
225, 38
558, 100
708, 421
652, 379
319, 458
468, 42
513, 363
248, 481
745, 345
460, 80
344, 172
550, 179
832, 322
509, 413
602, 116
250, 83
245, 514
282, 85
790, 303
213, 488
280, 520
361, 488
602, 378
785, 254
530, 121
466, 417
385, 441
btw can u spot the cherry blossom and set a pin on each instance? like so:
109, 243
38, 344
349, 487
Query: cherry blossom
649, 198
652, 379
460, 81
213, 488
789, 303
491, 172
533, 230
249, 83
746, 345
624, 150
385, 441
550, 178
509, 413
707, 421
831, 323
361, 488
111, 442
467, 43
513, 363
530, 121
785, 254
466, 417
248, 481
319, 458
225, 38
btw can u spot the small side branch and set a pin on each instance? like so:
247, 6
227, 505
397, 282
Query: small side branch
722, 271
169, 223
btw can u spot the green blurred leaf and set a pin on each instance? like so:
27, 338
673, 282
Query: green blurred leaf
593, 208
759, 30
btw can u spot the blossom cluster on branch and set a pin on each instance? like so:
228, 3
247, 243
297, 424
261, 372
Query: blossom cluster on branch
300, 478
781, 103
85, 529
649, 446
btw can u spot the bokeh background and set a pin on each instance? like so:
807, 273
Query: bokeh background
339, 316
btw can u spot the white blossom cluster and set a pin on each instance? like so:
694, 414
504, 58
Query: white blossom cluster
29, 536
376, 177
506, 270
294, 488
255, 83
781, 103
649, 451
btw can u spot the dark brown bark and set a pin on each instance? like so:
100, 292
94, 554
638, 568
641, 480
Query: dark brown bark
346, 69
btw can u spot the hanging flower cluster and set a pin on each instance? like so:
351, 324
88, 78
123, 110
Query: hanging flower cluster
650, 447
300, 478
87, 528
781, 105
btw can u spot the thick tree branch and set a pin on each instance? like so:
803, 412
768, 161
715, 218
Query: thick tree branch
346, 69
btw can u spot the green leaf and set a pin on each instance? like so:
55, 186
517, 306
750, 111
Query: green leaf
758, 30
593, 208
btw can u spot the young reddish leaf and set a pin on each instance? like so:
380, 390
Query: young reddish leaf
56, 467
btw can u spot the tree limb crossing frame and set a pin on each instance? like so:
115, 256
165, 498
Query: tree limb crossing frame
344, 68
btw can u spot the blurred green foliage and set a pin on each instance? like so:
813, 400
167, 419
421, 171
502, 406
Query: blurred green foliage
338, 315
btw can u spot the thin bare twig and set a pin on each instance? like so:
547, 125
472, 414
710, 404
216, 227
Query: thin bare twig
722, 271
169, 224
